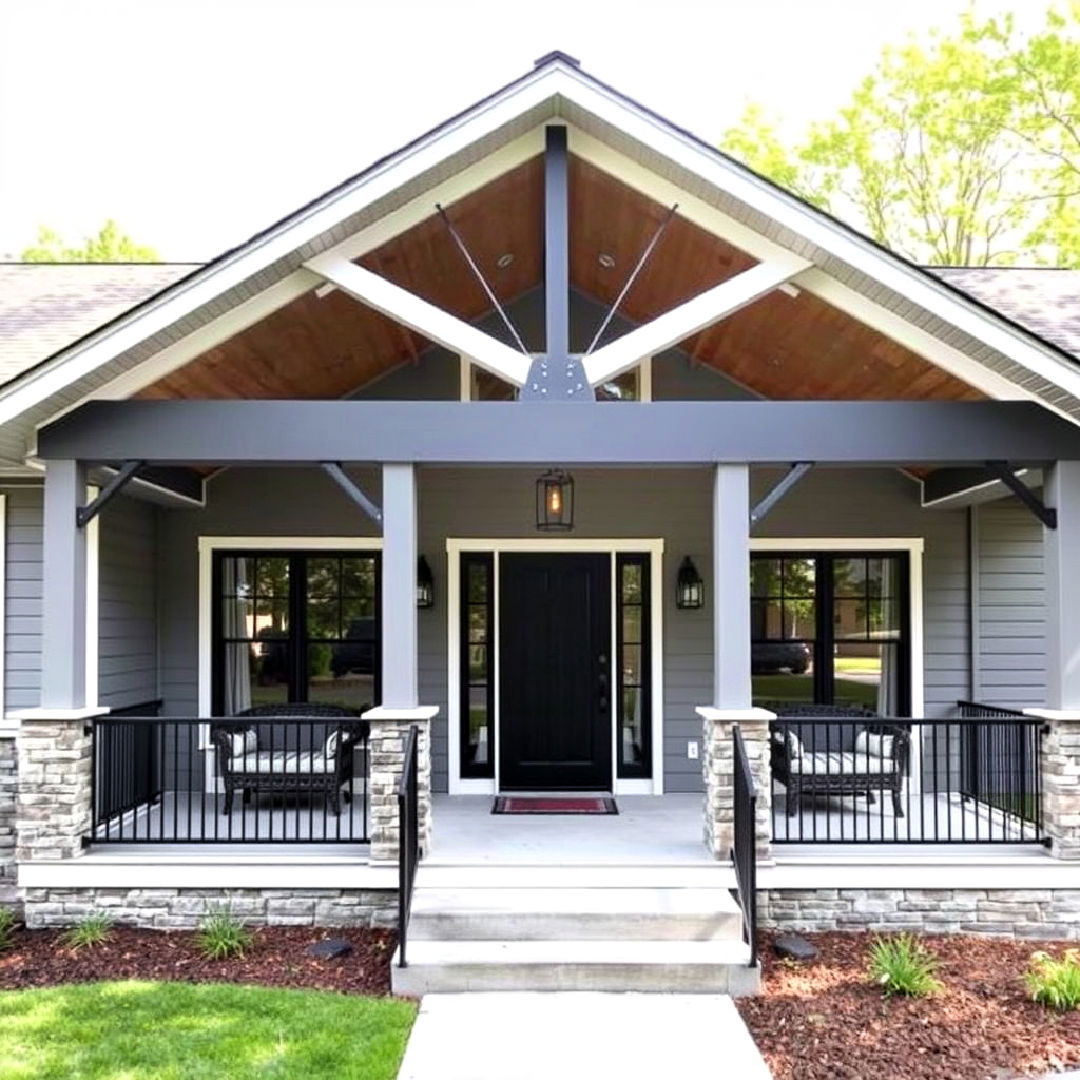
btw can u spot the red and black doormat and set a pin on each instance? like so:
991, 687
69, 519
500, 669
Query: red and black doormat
554, 804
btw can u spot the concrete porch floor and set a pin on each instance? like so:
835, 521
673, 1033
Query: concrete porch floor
648, 830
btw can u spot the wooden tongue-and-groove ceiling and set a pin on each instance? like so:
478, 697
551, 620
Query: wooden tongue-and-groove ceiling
782, 347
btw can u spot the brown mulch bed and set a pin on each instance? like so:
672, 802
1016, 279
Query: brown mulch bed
824, 1021
277, 957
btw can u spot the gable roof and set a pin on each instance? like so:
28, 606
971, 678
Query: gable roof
640, 148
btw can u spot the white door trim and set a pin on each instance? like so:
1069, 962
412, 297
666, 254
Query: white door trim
455, 546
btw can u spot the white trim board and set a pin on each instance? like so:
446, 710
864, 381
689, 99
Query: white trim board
915, 547
455, 546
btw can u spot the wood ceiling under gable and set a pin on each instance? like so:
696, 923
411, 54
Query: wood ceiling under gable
782, 347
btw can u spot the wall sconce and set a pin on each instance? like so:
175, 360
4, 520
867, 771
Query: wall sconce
689, 589
425, 584
555, 501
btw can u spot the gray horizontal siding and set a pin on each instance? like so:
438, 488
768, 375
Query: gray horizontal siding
127, 603
1011, 607
22, 598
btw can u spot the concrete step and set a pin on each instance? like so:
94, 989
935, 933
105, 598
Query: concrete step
711, 967
436, 875
568, 914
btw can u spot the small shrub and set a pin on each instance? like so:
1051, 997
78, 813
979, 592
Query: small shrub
1055, 981
92, 930
221, 935
8, 923
903, 965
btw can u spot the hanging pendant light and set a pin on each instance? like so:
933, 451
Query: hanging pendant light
555, 501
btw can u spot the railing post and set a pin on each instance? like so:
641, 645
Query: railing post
718, 772
386, 756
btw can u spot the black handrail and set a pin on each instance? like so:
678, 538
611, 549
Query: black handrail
408, 837
974, 710
857, 778
276, 779
744, 848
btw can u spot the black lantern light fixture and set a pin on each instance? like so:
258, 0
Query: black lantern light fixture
689, 589
555, 501
425, 584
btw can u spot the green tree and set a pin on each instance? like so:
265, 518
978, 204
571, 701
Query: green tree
110, 245
958, 149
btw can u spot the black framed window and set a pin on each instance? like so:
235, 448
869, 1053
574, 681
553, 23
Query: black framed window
832, 629
633, 664
477, 651
296, 626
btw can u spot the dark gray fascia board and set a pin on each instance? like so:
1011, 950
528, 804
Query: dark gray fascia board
582, 433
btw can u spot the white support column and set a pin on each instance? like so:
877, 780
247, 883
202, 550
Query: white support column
63, 609
1061, 744
1062, 546
400, 708
731, 587
52, 804
732, 691
400, 687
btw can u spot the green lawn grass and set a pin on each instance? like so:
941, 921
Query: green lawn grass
180, 1031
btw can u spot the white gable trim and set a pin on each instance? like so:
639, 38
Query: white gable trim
557, 88
789, 212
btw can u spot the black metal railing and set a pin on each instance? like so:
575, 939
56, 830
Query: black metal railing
744, 847
408, 798
973, 779
263, 780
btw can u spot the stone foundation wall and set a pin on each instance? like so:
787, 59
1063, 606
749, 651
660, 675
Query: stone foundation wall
181, 909
8, 784
1028, 914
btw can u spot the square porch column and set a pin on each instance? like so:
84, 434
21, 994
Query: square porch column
1061, 745
732, 702
52, 809
400, 708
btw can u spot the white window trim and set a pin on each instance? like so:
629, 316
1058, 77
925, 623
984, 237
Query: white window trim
455, 546
209, 544
915, 547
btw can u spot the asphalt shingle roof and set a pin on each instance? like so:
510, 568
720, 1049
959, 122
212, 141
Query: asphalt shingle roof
46, 306
1041, 300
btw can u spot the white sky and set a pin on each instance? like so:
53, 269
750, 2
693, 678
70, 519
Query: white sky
195, 123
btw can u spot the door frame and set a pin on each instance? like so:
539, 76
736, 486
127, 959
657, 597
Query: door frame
654, 549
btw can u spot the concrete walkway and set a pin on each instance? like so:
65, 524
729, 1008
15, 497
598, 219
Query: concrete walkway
580, 1036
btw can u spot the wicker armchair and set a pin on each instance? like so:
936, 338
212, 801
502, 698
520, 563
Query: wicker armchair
245, 765
877, 762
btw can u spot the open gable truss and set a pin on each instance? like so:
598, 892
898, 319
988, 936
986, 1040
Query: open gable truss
618, 136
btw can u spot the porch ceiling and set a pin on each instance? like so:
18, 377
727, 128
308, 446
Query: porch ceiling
782, 346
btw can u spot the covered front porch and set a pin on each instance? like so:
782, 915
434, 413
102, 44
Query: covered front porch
701, 677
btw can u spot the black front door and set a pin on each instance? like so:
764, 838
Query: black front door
555, 672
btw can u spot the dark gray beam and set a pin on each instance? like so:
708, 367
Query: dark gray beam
1004, 472
969, 485
556, 375
351, 488
791, 478
85, 514
534, 433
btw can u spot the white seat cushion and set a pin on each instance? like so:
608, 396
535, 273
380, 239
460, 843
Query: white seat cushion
877, 745
840, 764
282, 762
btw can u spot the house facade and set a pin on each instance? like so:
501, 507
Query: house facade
570, 445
